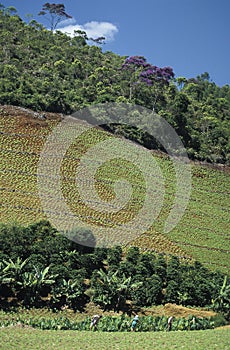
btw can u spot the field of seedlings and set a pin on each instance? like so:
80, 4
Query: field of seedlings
202, 234
29, 338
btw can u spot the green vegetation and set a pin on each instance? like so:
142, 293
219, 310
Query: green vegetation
39, 268
50, 71
45, 74
222, 302
202, 233
111, 324
27, 338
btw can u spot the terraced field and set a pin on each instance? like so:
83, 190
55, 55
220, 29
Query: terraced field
202, 234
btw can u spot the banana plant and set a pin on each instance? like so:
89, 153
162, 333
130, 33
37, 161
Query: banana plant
32, 284
112, 290
11, 274
222, 302
69, 293
13, 271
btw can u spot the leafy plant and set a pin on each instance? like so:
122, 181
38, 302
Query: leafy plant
222, 302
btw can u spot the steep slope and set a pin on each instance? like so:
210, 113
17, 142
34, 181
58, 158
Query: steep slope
202, 234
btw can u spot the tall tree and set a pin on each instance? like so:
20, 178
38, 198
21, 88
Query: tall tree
56, 14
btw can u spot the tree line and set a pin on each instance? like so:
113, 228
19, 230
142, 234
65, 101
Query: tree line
50, 71
39, 267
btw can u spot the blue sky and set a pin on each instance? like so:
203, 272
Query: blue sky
191, 36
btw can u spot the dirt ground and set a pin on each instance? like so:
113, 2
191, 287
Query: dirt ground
162, 310
177, 311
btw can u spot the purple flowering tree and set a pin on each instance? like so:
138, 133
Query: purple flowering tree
157, 78
134, 62
134, 65
154, 74
144, 72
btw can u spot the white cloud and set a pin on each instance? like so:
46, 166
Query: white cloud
93, 29
66, 22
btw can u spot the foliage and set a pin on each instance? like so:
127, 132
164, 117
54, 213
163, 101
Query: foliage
82, 237
112, 289
68, 275
69, 293
22, 140
114, 256
30, 280
53, 72
222, 302
50, 71
56, 13
141, 71
114, 324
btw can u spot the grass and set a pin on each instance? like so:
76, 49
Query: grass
19, 337
202, 234
28, 338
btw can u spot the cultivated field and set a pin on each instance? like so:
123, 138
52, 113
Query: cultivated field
31, 339
202, 234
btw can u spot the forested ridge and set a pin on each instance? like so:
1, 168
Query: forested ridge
50, 71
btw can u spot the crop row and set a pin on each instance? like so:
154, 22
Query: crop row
204, 225
114, 324
85, 213
70, 181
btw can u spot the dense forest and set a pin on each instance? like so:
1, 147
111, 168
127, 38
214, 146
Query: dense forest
46, 70
40, 267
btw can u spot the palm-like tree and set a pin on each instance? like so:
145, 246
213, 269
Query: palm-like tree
222, 302
25, 285
113, 290
69, 293
34, 282
11, 273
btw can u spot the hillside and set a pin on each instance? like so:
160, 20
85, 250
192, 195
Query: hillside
202, 234
53, 72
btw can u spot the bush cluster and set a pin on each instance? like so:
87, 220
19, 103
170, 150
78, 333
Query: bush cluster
41, 267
